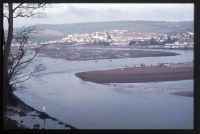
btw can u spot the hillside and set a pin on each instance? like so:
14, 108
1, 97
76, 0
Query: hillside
138, 26
48, 32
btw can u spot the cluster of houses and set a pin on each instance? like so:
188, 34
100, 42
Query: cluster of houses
129, 38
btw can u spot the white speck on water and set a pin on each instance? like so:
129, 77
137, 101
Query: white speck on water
43, 109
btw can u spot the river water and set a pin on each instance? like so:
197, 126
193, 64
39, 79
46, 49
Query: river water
88, 105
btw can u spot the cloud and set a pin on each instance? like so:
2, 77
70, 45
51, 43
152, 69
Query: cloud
75, 13
79, 12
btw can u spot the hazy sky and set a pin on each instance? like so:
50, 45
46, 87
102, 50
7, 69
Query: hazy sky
75, 13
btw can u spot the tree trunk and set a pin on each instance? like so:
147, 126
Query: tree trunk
5, 59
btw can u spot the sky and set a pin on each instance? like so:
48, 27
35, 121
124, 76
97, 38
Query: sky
82, 12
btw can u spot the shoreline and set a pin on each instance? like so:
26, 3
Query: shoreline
19, 114
174, 72
126, 46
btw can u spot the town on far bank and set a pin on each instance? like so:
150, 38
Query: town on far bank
128, 38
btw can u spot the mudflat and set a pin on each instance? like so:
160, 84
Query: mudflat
158, 73
85, 53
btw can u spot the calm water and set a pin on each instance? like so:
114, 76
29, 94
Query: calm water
116, 106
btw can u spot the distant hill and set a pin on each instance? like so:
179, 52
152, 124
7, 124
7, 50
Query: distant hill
138, 26
58, 31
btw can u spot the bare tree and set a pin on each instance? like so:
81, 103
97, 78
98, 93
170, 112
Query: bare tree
18, 59
13, 60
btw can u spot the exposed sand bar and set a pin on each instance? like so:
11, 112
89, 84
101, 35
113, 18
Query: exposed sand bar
140, 74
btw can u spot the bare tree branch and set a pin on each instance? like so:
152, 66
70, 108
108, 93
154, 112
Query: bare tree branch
28, 10
18, 6
14, 63
20, 64
5, 16
39, 68
21, 38
11, 62
17, 64
20, 81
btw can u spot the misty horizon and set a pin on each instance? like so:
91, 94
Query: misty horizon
106, 22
